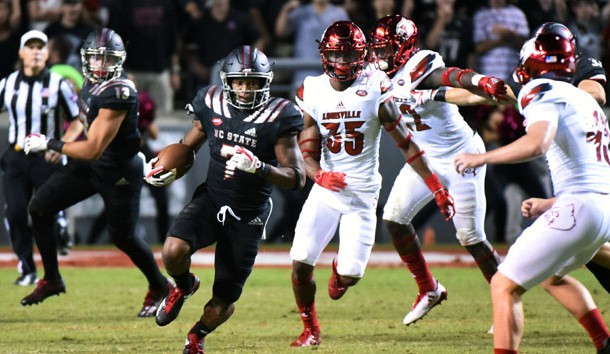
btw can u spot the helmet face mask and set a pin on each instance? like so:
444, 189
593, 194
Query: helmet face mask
343, 51
246, 77
102, 55
393, 42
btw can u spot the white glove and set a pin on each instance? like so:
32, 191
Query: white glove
35, 143
153, 176
422, 96
243, 159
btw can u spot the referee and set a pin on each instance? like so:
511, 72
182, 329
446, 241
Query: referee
32, 96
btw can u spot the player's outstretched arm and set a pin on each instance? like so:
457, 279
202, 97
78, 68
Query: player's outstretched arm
390, 118
488, 86
101, 132
535, 143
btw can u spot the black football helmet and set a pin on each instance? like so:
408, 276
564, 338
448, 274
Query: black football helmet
246, 62
102, 55
548, 53
343, 50
393, 41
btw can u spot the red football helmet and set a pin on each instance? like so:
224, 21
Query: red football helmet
558, 29
393, 41
343, 50
549, 53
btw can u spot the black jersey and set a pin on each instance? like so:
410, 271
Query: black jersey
256, 130
586, 69
117, 94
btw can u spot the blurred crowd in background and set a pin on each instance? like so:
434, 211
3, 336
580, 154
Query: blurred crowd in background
173, 46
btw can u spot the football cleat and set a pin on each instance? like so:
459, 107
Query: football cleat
44, 289
153, 299
26, 279
424, 303
172, 304
194, 344
335, 289
309, 337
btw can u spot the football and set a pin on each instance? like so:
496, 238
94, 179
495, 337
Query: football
177, 157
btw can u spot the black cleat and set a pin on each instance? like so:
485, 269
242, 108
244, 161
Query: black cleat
44, 289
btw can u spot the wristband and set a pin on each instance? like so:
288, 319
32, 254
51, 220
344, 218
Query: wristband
56, 145
297, 178
476, 79
433, 183
263, 170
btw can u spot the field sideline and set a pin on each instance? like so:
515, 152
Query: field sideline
98, 312
270, 256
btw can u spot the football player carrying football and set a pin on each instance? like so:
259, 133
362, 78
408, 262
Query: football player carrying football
570, 129
346, 107
105, 163
253, 145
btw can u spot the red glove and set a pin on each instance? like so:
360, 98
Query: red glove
493, 87
443, 199
335, 181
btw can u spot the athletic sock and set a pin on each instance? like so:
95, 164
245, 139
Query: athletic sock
504, 351
410, 253
184, 281
308, 315
595, 326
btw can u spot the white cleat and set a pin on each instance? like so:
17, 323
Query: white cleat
490, 330
424, 303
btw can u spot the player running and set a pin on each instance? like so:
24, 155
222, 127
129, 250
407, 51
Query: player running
344, 111
441, 132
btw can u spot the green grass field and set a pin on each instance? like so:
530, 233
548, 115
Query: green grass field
98, 315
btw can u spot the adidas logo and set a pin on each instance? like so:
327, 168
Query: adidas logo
251, 132
121, 182
255, 222
340, 105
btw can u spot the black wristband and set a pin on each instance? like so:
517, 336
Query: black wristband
297, 178
439, 96
263, 171
54, 144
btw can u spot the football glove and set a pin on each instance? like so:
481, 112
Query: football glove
156, 176
335, 181
244, 160
445, 203
35, 143
443, 199
420, 97
493, 87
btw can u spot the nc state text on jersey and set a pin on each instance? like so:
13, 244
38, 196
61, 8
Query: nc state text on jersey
235, 138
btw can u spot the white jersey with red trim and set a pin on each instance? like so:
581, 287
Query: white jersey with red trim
578, 158
349, 125
438, 127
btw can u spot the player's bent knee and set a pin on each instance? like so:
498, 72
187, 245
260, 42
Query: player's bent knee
469, 237
175, 249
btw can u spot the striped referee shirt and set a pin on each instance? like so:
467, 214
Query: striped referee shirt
33, 104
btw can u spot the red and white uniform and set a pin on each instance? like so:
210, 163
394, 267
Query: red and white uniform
350, 137
570, 233
440, 130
